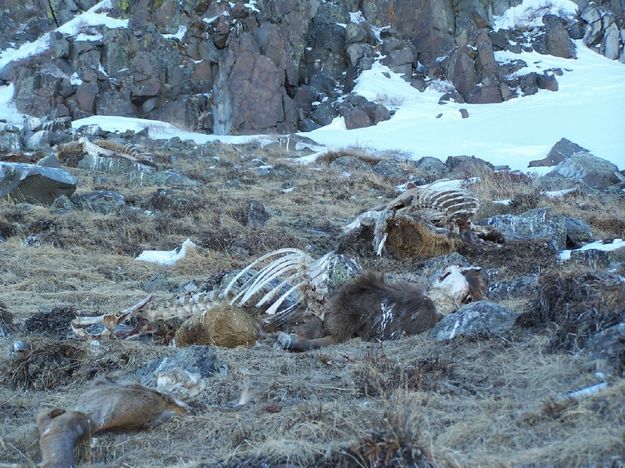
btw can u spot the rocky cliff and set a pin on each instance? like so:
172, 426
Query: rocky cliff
274, 66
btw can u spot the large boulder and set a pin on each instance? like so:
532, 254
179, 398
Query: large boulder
562, 150
249, 94
359, 112
556, 40
478, 319
588, 169
534, 225
35, 184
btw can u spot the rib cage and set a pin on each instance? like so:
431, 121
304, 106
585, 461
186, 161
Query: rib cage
439, 203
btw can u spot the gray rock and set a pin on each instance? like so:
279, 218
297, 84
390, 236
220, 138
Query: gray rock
349, 164
391, 169
577, 230
257, 214
523, 286
39, 140
100, 201
547, 81
35, 184
324, 113
358, 32
430, 169
556, 40
358, 112
478, 319
194, 359
586, 168
62, 204
464, 76
562, 150
359, 51
593, 27
611, 45
528, 84
535, 225
49, 161
10, 139
170, 178
608, 345
467, 166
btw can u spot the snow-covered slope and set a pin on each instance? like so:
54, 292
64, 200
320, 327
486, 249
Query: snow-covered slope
589, 109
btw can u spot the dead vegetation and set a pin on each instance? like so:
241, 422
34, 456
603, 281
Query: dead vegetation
577, 306
411, 402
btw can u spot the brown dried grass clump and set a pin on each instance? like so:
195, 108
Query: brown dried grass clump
354, 152
223, 325
577, 306
413, 238
395, 439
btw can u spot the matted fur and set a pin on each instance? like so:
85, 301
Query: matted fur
222, 325
369, 308
408, 237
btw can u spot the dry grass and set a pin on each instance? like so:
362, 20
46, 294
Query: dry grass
412, 402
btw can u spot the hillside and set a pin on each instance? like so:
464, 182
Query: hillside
128, 128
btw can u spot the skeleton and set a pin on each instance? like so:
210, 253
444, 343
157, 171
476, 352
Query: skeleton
312, 287
444, 208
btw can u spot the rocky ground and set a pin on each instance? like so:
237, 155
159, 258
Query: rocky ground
496, 393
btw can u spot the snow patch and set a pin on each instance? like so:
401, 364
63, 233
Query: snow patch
598, 245
167, 258
159, 130
357, 17
587, 109
178, 35
91, 17
530, 13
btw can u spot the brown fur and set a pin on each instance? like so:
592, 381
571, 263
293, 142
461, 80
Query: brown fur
60, 431
369, 308
409, 237
107, 407
126, 407
223, 325
478, 284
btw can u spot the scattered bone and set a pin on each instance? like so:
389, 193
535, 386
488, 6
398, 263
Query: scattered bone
185, 384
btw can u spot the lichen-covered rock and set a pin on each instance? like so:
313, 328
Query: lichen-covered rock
537, 224
588, 169
33, 183
479, 319
562, 150
100, 201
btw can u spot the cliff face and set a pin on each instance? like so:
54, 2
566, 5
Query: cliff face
269, 66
